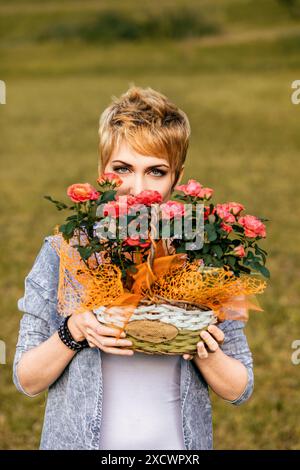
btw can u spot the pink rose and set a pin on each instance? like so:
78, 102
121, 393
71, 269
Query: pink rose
134, 240
119, 207
208, 212
239, 251
235, 207
145, 245
128, 198
253, 226
148, 197
195, 189
111, 208
124, 203
82, 192
226, 227
223, 213
192, 188
205, 193
110, 178
172, 209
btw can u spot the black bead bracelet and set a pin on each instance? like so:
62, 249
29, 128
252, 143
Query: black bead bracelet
66, 337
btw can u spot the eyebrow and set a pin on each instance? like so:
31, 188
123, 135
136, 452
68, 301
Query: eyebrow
152, 166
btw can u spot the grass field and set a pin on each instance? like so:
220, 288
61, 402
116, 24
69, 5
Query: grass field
231, 71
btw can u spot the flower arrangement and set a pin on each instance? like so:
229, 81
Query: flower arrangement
185, 263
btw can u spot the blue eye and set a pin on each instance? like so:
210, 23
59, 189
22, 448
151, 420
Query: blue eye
161, 172
120, 168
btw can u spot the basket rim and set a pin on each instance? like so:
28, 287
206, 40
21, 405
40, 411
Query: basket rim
159, 300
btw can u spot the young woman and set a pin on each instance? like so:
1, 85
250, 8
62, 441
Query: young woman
106, 396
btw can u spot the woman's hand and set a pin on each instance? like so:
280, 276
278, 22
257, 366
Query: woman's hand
86, 326
212, 338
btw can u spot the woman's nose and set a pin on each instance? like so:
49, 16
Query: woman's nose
138, 185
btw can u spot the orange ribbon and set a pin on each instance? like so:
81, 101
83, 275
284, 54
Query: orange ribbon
237, 308
143, 278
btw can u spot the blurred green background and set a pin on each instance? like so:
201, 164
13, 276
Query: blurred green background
229, 65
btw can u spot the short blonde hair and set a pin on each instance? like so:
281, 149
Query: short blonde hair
149, 123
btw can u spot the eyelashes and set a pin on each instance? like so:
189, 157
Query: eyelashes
161, 172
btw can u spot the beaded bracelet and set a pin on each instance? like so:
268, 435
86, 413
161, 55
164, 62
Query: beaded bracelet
66, 337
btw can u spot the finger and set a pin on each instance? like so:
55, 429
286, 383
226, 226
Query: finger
113, 342
93, 323
110, 331
217, 333
118, 351
188, 357
102, 330
109, 341
201, 351
112, 350
209, 340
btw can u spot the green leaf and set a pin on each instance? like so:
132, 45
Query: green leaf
181, 249
208, 260
236, 242
231, 260
85, 251
243, 268
238, 228
218, 263
178, 198
60, 205
206, 248
217, 250
211, 232
262, 269
107, 196
262, 253
68, 229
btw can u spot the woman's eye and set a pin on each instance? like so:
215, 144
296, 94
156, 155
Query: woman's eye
160, 172
120, 168
156, 171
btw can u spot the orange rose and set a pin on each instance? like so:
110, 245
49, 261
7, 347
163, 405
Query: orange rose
82, 192
110, 178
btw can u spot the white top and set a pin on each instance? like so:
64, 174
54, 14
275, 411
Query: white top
141, 402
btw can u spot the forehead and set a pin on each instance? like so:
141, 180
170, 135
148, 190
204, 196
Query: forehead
127, 154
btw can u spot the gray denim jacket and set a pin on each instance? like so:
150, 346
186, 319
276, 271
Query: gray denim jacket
74, 402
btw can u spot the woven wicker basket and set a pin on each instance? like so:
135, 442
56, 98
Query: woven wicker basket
166, 327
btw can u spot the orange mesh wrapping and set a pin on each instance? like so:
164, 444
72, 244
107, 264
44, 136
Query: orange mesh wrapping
229, 296
81, 288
